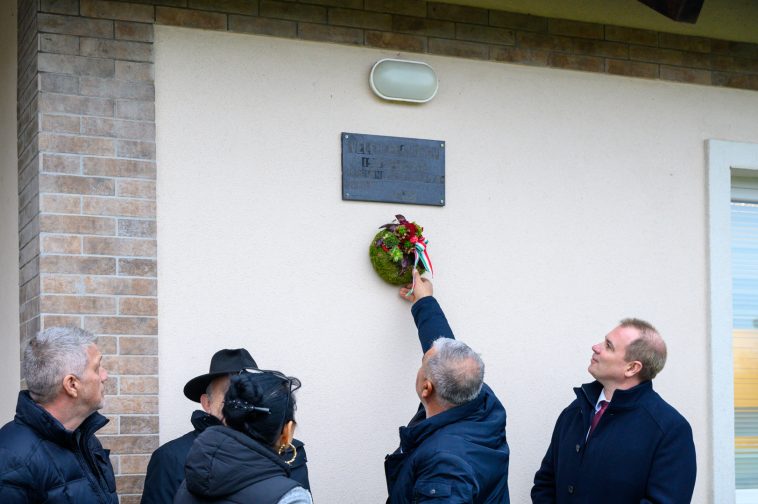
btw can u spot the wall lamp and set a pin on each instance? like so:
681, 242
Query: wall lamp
401, 80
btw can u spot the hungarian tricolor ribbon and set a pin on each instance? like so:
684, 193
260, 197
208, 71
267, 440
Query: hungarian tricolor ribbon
421, 254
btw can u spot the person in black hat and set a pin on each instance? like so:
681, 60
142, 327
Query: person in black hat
165, 471
245, 460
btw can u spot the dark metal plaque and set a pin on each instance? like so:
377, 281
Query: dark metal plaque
393, 169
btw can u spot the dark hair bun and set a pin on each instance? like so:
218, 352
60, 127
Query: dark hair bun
244, 403
260, 404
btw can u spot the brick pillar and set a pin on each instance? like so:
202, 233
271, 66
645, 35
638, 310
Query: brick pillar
28, 171
87, 202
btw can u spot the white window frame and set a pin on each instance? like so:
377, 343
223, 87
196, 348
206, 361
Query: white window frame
725, 159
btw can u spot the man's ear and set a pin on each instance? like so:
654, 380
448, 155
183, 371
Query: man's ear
427, 389
632, 368
71, 385
205, 402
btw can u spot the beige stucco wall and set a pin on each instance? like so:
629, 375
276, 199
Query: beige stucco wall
573, 200
9, 331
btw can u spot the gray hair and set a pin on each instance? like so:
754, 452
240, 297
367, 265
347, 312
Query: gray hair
456, 371
649, 349
209, 389
52, 354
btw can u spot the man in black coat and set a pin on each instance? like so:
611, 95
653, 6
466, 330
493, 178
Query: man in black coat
49, 452
454, 448
619, 441
165, 471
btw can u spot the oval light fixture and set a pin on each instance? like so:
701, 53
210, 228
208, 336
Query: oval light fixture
402, 80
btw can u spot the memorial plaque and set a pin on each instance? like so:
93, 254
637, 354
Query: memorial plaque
393, 169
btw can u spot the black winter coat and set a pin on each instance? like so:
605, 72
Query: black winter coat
458, 456
43, 462
165, 471
225, 466
641, 452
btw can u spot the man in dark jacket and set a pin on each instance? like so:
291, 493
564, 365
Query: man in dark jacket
49, 452
619, 441
165, 471
454, 449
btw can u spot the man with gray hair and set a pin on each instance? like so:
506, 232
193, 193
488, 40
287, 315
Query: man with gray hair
454, 449
49, 452
619, 441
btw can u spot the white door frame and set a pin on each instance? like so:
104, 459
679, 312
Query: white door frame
724, 160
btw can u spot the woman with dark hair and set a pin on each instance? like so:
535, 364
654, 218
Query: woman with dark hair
246, 460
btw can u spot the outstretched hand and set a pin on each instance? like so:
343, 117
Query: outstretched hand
423, 288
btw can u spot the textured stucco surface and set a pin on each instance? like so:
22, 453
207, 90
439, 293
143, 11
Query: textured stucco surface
573, 200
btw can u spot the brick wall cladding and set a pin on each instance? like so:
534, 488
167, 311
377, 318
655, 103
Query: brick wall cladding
418, 26
28, 170
86, 137
87, 239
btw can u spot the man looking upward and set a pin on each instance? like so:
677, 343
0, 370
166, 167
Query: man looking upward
619, 441
49, 452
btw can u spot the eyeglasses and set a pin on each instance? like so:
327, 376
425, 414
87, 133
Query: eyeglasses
293, 384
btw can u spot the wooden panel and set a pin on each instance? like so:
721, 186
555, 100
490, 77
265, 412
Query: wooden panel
745, 347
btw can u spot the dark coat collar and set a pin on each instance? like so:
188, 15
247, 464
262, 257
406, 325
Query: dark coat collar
420, 428
202, 420
48, 427
589, 393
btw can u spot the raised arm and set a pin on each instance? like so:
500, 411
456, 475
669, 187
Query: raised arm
429, 318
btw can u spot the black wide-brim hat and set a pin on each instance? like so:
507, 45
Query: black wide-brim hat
223, 363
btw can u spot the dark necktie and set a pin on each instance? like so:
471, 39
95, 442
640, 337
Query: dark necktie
596, 418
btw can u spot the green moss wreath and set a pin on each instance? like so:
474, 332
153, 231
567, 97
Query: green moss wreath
394, 248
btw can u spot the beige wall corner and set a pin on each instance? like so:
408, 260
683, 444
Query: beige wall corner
9, 328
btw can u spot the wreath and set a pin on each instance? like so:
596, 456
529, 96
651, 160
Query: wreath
396, 249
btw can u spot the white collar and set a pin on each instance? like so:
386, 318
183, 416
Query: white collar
601, 398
